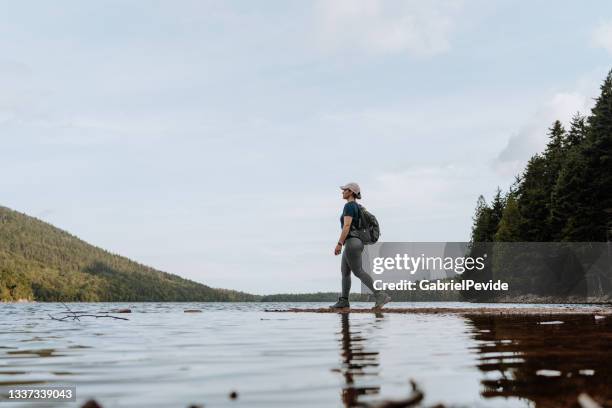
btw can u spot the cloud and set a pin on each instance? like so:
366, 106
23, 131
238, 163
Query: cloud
14, 69
428, 202
532, 137
425, 188
386, 27
602, 36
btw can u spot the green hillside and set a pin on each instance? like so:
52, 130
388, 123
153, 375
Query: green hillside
41, 262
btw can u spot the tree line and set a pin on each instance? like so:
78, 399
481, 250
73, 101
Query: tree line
564, 194
546, 235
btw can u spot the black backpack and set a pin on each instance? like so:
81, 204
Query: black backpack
368, 230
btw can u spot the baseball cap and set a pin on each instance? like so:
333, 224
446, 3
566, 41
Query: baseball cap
354, 187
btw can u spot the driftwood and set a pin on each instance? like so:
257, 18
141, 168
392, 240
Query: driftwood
76, 315
413, 399
121, 311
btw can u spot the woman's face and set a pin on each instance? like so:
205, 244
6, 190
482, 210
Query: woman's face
346, 193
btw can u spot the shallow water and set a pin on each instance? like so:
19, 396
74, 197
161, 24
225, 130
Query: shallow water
163, 357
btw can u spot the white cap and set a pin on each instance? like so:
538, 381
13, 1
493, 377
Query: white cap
354, 187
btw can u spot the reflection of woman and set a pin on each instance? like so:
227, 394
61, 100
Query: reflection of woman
353, 248
356, 362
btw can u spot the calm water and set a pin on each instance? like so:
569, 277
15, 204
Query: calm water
163, 357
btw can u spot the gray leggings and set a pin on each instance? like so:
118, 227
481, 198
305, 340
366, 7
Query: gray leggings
351, 261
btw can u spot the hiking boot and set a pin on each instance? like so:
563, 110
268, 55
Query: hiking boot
341, 303
381, 299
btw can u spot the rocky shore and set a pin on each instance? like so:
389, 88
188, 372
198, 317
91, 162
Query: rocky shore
535, 310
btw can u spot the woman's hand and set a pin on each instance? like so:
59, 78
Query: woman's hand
338, 249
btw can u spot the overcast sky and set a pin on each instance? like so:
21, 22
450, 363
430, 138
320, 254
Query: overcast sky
209, 138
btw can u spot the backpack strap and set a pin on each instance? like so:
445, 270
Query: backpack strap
355, 226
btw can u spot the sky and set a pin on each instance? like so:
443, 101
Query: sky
209, 138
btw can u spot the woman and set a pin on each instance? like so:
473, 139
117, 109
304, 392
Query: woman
353, 248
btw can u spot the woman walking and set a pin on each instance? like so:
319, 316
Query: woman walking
353, 248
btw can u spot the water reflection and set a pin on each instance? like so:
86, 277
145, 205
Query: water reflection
172, 359
359, 363
549, 360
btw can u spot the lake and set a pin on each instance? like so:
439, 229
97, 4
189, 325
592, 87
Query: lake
164, 357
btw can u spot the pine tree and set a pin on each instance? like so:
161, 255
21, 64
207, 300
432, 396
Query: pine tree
598, 152
556, 139
510, 225
554, 157
570, 191
486, 218
577, 132
533, 199
567, 188
480, 226
497, 211
583, 194
479, 245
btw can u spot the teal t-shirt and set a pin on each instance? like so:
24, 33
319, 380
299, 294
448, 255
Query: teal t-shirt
352, 210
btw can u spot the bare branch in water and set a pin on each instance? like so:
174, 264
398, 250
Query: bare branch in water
69, 310
76, 317
72, 315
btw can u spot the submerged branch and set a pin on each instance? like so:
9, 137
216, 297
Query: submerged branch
75, 315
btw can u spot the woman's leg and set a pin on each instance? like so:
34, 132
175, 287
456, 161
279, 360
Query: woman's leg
352, 251
346, 276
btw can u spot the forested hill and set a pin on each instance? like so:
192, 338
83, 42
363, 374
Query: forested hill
565, 192
41, 262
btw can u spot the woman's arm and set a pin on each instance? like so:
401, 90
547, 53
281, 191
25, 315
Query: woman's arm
345, 231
